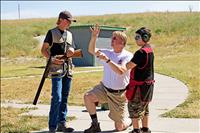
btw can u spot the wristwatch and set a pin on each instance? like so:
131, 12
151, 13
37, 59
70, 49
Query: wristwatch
108, 61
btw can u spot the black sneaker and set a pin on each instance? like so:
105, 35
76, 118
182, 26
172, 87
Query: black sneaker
148, 131
138, 131
52, 130
63, 128
94, 128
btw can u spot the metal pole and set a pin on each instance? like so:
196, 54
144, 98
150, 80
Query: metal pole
19, 10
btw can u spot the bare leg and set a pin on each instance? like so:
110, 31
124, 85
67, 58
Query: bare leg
119, 126
135, 123
90, 99
145, 121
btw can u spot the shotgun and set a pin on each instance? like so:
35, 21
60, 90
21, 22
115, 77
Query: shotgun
77, 54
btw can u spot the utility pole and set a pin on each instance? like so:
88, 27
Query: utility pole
19, 10
190, 8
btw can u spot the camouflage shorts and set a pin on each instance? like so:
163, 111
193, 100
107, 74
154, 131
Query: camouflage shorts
137, 108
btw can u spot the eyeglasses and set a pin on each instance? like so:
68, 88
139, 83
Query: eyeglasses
138, 37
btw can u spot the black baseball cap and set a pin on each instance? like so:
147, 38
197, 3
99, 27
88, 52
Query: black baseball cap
66, 15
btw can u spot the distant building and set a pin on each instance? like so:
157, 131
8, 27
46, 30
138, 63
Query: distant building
82, 34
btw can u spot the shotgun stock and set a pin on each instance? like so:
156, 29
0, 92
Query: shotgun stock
77, 54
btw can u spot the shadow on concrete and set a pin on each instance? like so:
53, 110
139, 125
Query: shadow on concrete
38, 67
109, 131
98, 110
106, 131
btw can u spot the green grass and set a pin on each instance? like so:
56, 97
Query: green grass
22, 67
17, 36
175, 37
13, 122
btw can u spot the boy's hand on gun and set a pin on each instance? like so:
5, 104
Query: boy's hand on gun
57, 60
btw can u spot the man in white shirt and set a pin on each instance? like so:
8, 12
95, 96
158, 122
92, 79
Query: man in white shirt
111, 89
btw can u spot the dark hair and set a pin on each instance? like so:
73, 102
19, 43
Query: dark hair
145, 33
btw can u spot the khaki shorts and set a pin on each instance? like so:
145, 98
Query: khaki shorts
116, 102
137, 108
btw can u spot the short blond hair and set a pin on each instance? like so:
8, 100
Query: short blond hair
122, 35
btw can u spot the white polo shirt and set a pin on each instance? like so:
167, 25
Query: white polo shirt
110, 78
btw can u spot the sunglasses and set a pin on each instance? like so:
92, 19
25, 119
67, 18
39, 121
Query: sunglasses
138, 37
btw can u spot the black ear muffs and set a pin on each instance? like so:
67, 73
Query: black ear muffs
145, 37
145, 34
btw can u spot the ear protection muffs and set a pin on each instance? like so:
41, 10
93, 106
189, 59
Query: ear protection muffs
145, 34
145, 37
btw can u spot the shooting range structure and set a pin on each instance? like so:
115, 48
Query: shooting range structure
82, 35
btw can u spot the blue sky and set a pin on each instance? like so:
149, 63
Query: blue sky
47, 9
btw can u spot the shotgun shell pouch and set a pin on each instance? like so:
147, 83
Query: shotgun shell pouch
56, 70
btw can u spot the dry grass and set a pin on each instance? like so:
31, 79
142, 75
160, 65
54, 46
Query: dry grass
24, 89
13, 122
